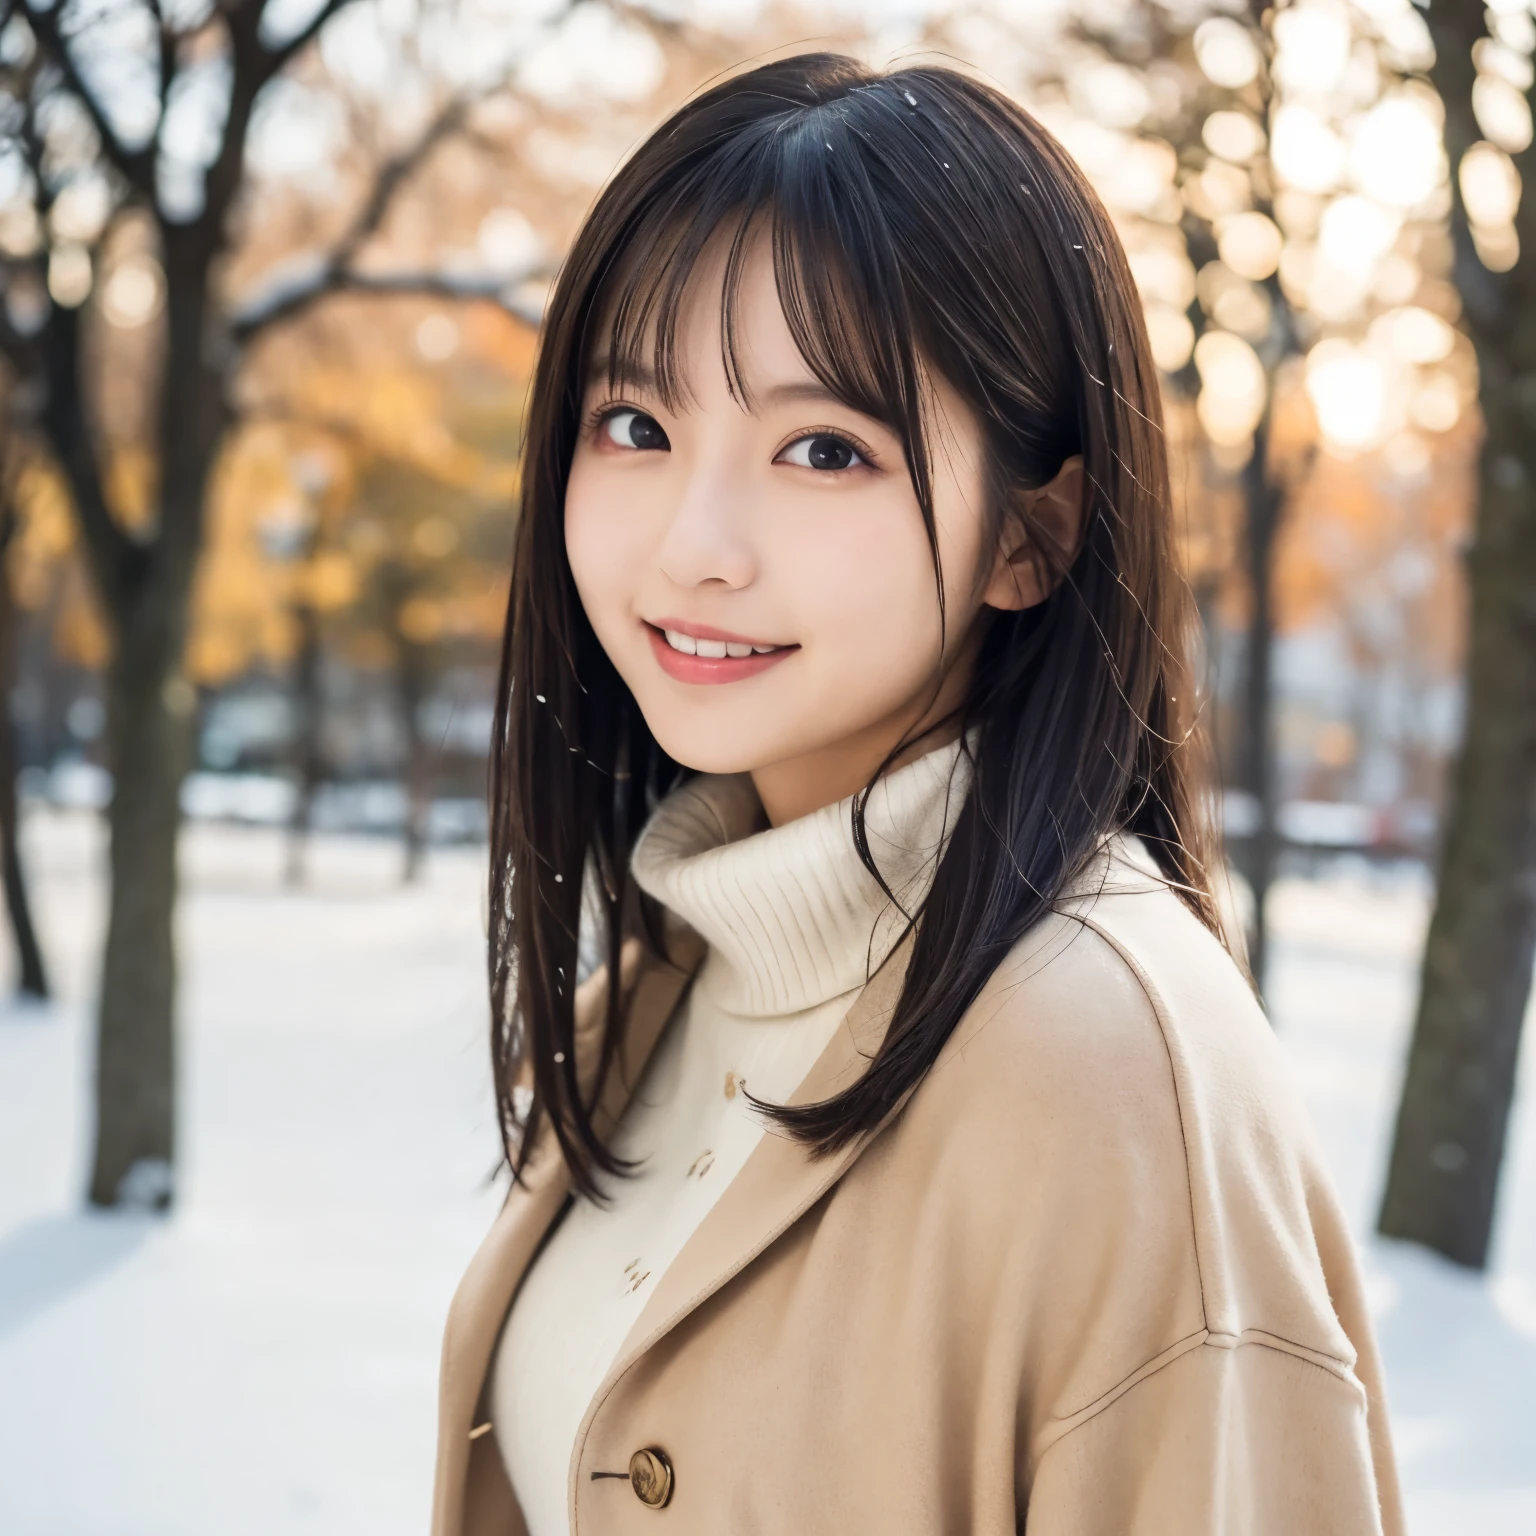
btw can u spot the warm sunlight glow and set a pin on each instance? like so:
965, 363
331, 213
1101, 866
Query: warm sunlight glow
1305, 152
1250, 244
1413, 335
1233, 388
1233, 135
1436, 404
1171, 335
1490, 185
1348, 390
1233, 302
1355, 233
1498, 246
1110, 94
1164, 274
1226, 53
69, 275
1311, 46
1396, 154
134, 292
1502, 113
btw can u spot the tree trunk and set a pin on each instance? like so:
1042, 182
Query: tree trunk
1449, 1146
1442, 1184
150, 710
32, 975
413, 679
308, 761
1263, 500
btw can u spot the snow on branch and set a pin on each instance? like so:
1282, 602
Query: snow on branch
300, 285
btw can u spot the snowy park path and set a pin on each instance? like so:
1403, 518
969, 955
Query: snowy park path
264, 1363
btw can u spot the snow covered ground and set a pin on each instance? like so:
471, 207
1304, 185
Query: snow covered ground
263, 1363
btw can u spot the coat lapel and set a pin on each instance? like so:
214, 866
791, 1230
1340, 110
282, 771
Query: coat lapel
776, 1186
485, 1293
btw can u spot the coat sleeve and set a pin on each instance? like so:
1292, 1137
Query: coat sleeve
1251, 1438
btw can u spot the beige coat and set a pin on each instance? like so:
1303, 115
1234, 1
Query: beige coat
1091, 1280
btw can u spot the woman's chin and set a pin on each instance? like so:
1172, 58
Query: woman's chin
716, 749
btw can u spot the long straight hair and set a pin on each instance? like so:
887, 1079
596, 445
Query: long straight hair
921, 224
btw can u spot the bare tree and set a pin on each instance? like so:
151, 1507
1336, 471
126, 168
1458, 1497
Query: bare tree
32, 973
1449, 1145
61, 117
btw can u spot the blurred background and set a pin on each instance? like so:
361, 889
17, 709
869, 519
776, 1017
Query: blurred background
270, 283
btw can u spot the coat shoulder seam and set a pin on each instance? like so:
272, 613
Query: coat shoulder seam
1058, 1429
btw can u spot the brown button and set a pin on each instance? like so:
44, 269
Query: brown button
650, 1475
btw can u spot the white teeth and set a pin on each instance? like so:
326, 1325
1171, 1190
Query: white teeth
690, 645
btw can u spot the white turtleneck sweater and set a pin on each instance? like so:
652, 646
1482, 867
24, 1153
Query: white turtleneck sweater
794, 924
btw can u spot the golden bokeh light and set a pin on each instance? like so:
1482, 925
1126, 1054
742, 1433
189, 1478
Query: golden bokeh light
1233, 387
1226, 53
69, 275
134, 293
1250, 243
1498, 246
1356, 232
1304, 150
1171, 335
1234, 136
1347, 386
1396, 155
1312, 44
1412, 335
1436, 403
1502, 113
1490, 185
1164, 274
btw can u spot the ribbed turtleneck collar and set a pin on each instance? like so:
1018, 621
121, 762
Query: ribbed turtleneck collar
792, 917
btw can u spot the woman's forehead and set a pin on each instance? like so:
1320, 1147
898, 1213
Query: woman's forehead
737, 341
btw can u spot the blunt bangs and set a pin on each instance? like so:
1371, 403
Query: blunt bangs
783, 186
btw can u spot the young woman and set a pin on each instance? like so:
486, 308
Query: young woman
917, 1159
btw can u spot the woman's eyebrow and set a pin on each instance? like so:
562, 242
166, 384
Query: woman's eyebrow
794, 392
634, 374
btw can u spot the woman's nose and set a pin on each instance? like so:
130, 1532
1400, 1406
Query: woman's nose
707, 541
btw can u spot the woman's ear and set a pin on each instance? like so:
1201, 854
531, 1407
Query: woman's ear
1026, 569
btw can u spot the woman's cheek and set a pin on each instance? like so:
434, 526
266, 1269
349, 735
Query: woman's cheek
595, 545
866, 589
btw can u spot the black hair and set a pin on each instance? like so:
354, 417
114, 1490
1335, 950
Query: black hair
921, 223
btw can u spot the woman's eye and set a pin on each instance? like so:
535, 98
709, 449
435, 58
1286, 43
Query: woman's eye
634, 429
821, 451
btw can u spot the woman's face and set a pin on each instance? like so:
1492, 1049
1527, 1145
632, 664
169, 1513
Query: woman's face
759, 572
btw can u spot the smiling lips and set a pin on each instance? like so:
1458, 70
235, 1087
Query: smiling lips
697, 653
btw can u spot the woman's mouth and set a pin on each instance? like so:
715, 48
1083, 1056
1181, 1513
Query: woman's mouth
699, 653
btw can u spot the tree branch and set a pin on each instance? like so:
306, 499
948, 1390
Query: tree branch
287, 300
393, 174
294, 292
136, 165
277, 58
